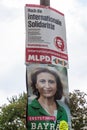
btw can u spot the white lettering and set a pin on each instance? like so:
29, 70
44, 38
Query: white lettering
33, 126
48, 58
39, 58
40, 126
45, 125
31, 57
42, 58
52, 126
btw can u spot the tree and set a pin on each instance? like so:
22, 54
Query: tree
13, 115
78, 107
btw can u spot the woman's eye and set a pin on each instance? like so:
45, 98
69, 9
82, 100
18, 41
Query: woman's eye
51, 81
42, 81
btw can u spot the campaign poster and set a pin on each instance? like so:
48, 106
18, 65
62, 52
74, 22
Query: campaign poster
48, 99
45, 36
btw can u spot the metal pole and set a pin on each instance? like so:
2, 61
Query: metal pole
45, 2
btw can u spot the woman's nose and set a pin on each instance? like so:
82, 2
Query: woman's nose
47, 85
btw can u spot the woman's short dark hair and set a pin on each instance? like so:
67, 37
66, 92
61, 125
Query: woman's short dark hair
59, 91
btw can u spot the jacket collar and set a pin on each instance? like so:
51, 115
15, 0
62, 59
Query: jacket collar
35, 104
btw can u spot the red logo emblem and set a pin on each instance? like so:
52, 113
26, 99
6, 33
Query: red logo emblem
59, 43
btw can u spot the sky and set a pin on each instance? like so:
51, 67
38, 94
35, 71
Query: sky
12, 45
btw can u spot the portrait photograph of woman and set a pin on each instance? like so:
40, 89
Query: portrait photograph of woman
45, 94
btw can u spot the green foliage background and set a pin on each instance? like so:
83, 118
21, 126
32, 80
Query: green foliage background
13, 115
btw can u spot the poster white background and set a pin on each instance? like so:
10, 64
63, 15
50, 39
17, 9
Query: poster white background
45, 29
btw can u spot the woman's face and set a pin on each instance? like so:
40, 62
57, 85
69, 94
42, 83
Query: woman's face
46, 84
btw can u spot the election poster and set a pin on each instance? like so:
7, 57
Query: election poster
45, 36
47, 97
46, 60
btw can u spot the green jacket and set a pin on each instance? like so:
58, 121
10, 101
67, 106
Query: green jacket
39, 119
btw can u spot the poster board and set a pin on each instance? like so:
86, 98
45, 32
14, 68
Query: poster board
37, 117
45, 36
46, 60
